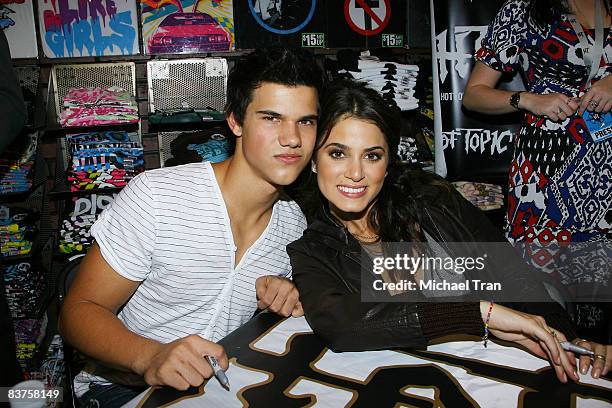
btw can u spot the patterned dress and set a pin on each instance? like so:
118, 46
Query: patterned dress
560, 181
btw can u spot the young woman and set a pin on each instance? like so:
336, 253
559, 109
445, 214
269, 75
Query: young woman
559, 188
367, 200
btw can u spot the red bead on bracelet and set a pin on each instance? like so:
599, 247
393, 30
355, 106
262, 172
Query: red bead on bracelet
485, 338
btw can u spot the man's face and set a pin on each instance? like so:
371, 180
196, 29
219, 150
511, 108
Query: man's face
278, 132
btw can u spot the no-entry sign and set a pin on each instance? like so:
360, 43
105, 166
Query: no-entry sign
367, 17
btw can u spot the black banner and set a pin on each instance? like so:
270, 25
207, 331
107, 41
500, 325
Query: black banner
261, 23
476, 147
321, 23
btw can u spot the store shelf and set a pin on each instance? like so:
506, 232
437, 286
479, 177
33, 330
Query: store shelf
181, 127
40, 257
61, 186
54, 129
39, 178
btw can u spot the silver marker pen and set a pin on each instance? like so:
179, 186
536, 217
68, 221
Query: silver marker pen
218, 371
567, 346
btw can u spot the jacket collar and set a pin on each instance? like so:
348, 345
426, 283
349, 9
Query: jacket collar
333, 233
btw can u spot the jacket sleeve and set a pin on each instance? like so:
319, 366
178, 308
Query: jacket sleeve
346, 323
12, 107
342, 320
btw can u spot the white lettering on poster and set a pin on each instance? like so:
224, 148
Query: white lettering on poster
465, 44
481, 141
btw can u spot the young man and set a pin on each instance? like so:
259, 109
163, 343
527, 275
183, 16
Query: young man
185, 252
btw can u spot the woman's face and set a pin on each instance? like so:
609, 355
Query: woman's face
351, 167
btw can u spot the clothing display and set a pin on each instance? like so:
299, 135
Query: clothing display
16, 165
416, 138
98, 106
103, 160
214, 145
24, 284
485, 196
74, 235
393, 80
17, 231
28, 336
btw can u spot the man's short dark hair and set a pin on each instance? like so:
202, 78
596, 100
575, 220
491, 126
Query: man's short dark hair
278, 65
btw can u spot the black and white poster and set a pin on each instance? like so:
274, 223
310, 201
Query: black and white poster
261, 23
366, 23
475, 147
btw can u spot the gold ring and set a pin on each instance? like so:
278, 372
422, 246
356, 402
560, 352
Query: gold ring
599, 356
578, 341
554, 334
594, 103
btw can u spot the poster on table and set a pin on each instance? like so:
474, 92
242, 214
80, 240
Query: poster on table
93, 28
17, 21
300, 23
187, 26
476, 147
367, 23
284, 364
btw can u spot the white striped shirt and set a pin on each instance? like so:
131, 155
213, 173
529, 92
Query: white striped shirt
169, 229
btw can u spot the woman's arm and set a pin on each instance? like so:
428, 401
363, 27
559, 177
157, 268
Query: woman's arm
480, 93
482, 96
342, 320
345, 323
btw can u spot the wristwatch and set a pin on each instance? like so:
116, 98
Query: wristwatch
515, 99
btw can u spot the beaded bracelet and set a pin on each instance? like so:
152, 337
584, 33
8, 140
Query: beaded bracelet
485, 338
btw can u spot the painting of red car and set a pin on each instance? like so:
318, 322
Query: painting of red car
188, 32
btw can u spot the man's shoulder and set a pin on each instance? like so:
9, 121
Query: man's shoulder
184, 171
291, 218
187, 178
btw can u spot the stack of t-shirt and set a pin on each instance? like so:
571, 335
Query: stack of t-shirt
29, 333
17, 231
74, 229
24, 284
98, 106
212, 144
16, 164
483, 195
393, 80
51, 370
103, 160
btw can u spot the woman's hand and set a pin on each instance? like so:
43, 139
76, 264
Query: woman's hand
533, 333
554, 106
601, 361
599, 97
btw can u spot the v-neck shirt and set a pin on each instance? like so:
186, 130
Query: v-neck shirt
169, 229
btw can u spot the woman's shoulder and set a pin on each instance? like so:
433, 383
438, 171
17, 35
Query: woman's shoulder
423, 185
513, 13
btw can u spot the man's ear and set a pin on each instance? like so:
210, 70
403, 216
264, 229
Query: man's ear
233, 125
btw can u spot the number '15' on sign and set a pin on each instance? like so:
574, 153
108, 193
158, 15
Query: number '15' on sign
392, 40
313, 40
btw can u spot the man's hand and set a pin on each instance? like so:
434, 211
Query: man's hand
181, 363
279, 295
